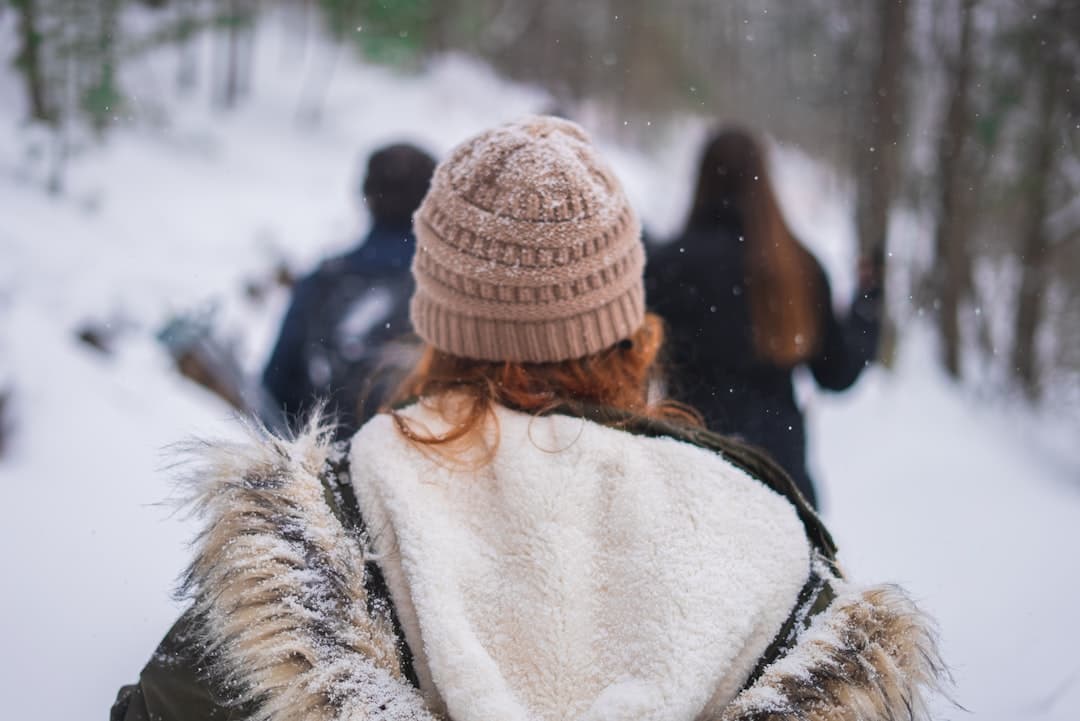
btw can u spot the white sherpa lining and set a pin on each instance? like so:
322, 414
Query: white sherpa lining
585, 573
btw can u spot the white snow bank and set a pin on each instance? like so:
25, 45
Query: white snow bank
927, 488
90, 553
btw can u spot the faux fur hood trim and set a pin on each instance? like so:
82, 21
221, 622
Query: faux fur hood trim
279, 585
871, 656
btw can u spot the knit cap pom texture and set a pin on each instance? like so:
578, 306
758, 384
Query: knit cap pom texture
527, 250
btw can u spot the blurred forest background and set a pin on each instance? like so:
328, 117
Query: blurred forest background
965, 113
167, 167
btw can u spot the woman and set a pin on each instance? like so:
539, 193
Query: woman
746, 304
528, 537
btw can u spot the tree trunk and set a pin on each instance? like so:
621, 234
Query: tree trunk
187, 27
231, 92
102, 98
953, 255
5, 419
877, 157
1035, 249
879, 162
29, 60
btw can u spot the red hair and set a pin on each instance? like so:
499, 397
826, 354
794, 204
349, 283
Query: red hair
465, 391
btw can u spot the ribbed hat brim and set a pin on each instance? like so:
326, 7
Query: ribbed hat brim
528, 342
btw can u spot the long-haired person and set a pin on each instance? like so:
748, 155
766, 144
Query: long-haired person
746, 303
527, 536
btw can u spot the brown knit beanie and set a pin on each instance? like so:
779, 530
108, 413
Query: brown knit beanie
527, 249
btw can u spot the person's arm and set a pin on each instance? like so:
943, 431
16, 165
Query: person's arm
173, 685
848, 344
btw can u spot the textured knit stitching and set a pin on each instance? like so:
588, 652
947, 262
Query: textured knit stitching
527, 249
551, 304
517, 254
606, 281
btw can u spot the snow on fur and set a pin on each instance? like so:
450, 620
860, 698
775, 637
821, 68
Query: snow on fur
280, 584
871, 656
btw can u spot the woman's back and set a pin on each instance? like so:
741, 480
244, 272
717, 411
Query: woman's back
583, 573
697, 283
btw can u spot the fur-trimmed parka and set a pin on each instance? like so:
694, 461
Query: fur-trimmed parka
585, 565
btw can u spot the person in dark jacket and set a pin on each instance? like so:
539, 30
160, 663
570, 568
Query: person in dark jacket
338, 342
746, 304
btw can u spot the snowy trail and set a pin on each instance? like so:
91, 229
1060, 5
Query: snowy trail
923, 486
91, 550
926, 489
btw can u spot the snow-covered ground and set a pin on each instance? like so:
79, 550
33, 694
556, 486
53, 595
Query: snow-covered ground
923, 485
926, 488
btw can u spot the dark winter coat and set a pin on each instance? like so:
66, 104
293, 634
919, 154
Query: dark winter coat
293, 622
697, 285
338, 340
